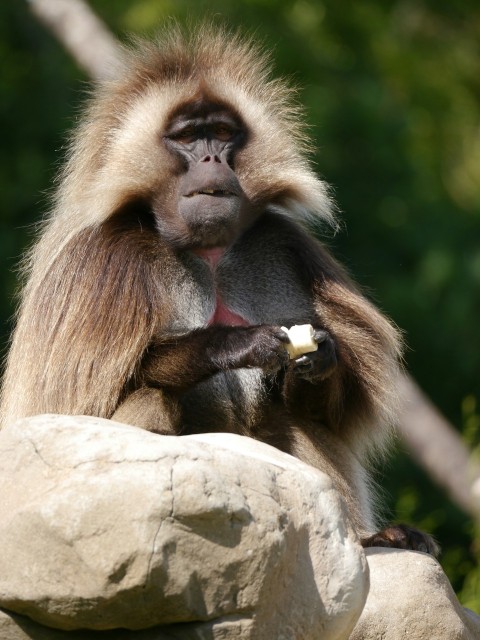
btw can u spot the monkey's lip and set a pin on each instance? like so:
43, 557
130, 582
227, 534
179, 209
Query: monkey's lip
225, 193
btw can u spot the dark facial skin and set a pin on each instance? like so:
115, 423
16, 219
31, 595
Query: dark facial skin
209, 199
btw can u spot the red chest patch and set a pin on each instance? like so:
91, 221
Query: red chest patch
222, 314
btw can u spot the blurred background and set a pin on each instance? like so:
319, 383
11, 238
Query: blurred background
392, 94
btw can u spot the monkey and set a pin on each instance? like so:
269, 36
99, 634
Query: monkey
181, 238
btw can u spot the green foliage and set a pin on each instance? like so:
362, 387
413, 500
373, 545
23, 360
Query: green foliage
392, 93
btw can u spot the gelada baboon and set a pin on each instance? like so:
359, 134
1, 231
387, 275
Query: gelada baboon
178, 244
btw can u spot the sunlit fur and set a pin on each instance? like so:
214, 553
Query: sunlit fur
92, 301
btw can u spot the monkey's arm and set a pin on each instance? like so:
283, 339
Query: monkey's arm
179, 363
351, 381
172, 366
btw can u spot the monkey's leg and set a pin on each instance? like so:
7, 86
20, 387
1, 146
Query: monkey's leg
150, 409
403, 537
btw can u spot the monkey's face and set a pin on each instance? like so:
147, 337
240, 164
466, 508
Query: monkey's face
194, 140
207, 206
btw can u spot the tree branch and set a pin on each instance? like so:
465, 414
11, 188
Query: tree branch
82, 33
437, 446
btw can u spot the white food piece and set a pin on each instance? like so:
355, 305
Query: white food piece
301, 340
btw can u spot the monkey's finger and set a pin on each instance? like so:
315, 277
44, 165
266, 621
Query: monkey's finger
282, 335
305, 363
320, 335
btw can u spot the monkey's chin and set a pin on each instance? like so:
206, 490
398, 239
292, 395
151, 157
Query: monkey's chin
213, 221
212, 206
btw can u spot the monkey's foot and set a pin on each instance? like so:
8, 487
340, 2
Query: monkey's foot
401, 536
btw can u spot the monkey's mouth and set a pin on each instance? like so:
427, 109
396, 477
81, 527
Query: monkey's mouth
219, 193
212, 213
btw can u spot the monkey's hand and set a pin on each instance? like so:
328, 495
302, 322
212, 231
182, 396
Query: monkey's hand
320, 364
261, 346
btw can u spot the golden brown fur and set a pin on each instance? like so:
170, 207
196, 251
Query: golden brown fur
92, 321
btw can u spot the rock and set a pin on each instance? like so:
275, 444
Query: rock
15, 627
411, 597
105, 526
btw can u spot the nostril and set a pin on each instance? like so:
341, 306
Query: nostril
209, 158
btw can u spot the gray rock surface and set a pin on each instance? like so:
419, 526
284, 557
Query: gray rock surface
411, 597
105, 526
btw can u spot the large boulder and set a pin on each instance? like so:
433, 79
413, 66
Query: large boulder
105, 526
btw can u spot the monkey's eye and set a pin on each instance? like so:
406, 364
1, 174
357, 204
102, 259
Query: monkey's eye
185, 136
223, 132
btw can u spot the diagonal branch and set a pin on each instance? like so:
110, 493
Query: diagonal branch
437, 446
82, 33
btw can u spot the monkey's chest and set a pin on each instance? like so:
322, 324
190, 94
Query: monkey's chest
255, 282
268, 291
247, 286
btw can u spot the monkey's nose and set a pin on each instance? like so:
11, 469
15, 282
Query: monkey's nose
210, 158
